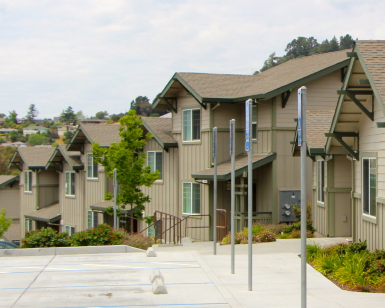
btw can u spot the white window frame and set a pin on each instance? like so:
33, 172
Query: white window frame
320, 165
70, 230
184, 138
160, 178
27, 225
94, 167
28, 181
371, 211
91, 221
191, 198
70, 186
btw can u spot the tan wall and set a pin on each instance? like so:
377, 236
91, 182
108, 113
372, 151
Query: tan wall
27, 200
321, 95
10, 200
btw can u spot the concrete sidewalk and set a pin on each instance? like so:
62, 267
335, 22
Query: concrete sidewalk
193, 277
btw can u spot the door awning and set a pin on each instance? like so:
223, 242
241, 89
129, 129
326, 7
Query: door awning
241, 161
47, 214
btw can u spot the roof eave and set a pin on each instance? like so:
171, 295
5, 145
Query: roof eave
14, 179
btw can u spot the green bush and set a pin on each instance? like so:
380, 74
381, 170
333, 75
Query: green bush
46, 237
137, 240
297, 226
101, 235
261, 234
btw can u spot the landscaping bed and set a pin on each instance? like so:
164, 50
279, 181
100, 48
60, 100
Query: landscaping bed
350, 266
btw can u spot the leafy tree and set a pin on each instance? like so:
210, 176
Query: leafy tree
2, 115
270, 62
142, 106
5, 156
12, 117
36, 139
116, 117
126, 157
68, 116
346, 42
5, 223
101, 115
80, 115
32, 113
334, 46
67, 137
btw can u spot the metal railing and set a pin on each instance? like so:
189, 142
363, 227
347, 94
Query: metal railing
221, 224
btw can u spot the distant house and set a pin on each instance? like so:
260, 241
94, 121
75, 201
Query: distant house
65, 128
34, 130
7, 130
10, 201
92, 121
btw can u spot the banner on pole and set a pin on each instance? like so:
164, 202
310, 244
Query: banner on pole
214, 141
231, 137
247, 128
299, 117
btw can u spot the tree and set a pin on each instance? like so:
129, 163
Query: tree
32, 113
36, 139
67, 137
334, 46
68, 116
346, 42
5, 223
2, 115
12, 117
141, 105
101, 115
270, 62
126, 157
80, 115
6, 154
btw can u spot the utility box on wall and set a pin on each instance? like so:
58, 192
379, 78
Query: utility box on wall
287, 200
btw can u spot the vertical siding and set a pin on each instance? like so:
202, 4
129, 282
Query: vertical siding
226, 112
27, 200
321, 95
10, 200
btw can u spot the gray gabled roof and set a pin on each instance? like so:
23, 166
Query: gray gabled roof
229, 88
34, 157
104, 134
7, 179
160, 128
71, 157
47, 214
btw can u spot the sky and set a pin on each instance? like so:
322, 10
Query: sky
96, 55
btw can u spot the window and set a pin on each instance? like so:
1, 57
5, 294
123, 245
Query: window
92, 167
155, 162
254, 122
369, 182
28, 225
320, 180
92, 219
28, 181
70, 184
191, 198
191, 124
70, 230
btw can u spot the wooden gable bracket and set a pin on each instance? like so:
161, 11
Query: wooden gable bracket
285, 97
79, 147
343, 73
352, 95
57, 166
338, 137
17, 166
169, 104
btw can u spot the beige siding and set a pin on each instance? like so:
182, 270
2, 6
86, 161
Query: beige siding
342, 172
321, 95
264, 109
72, 207
226, 112
10, 200
262, 144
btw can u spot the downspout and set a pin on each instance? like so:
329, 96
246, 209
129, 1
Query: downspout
352, 203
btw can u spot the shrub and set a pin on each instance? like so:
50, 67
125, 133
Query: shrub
265, 236
276, 229
46, 237
313, 251
101, 235
137, 240
297, 226
261, 234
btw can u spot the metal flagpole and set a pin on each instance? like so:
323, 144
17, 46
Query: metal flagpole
115, 197
249, 149
232, 153
302, 142
215, 190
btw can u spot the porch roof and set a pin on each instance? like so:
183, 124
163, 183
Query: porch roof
241, 161
103, 205
48, 214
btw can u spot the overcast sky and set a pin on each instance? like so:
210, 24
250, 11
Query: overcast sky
100, 55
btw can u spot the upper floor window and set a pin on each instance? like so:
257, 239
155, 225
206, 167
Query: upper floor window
191, 124
320, 180
369, 185
191, 198
70, 184
155, 161
92, 167
254, 122
28, 181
